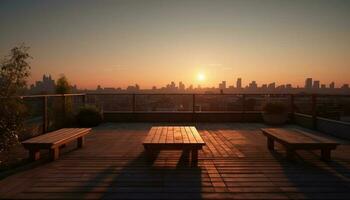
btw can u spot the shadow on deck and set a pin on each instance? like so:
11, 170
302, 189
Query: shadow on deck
235, 164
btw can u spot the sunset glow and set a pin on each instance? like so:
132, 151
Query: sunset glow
201, 77
121, 43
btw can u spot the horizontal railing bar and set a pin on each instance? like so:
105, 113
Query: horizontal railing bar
51, 95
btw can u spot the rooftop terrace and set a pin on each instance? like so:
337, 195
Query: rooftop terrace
235, 164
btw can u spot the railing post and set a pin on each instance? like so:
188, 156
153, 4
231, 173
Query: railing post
314, 111
133, 102
45, 120
243, 107
64, 108
84, 100
193, 103
292, 107
193, 107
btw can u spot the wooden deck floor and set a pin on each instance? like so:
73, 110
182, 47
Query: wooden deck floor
235, 164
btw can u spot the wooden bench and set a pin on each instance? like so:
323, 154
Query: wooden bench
184, 138
293, 139
53, 141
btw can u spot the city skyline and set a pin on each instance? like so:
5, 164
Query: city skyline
47, 85
118, 43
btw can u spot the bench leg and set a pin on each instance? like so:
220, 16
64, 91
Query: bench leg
270, 144
81, 142
34, 154
290, 154
54, 154
326, 154
194, 157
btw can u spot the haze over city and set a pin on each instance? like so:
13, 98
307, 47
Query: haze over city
121, 43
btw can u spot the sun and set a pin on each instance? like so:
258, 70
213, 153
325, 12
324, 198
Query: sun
200, 77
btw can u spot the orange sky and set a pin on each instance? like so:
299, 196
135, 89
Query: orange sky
120, 43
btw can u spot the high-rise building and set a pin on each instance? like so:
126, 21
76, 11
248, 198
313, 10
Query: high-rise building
239, 83
253, 85
308, 83
222, 85
332, 85
272, 85
316, 85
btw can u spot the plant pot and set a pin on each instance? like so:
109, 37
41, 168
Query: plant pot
275, 119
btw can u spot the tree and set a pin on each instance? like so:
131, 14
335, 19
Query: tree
13, 79
63, 86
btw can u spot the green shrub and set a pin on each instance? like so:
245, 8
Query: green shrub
89, 116
275, 108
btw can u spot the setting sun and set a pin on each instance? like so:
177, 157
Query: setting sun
201, 77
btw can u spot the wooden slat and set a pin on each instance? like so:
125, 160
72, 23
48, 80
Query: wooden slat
196, 135
170, 135
56, 136
177, 135
157, 135
150, 135
184, 135
190, 136
293, 136
162, 138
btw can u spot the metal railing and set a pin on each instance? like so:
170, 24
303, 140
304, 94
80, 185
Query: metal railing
314, 105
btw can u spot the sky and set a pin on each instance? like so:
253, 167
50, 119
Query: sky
120, 43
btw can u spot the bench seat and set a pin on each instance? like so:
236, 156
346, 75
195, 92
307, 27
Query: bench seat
294, 139
53, 141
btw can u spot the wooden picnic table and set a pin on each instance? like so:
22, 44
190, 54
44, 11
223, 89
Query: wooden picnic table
184, 138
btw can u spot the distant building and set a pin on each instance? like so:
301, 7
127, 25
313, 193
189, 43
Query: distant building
323, 86
316, 85
239, 83
46, 86
272, 85
332, 85
308, 83
253, 85
222, 85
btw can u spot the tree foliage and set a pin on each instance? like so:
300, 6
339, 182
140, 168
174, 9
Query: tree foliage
63, 86
14, 71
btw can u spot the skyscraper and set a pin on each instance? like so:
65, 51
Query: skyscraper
332, 85
316, 85
239, 83
308, 83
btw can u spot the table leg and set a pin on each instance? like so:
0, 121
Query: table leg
270, 144
81, 142
326, 154
34, 154
194, 157
54, 154
290, 153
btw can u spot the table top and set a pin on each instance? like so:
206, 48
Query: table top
173, 135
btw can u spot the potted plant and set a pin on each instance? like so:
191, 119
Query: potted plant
89, 116
275, 113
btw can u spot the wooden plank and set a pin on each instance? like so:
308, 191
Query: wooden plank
196, 135
150, 135
292, 136
170, 135
162, 138
190, 136
157, 135
177, 135
184, 135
